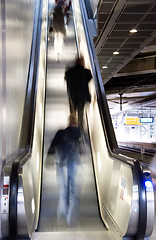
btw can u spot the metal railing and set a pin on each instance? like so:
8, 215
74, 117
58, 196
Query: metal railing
12, 220
141, 174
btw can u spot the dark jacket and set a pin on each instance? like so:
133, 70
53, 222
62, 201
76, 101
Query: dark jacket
58, 19
66, 144
77, 79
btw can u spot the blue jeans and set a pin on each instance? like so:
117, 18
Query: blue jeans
69, 192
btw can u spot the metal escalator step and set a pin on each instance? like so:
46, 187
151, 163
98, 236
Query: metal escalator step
91, 235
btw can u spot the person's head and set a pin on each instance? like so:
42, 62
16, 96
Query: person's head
80, 61
72, 120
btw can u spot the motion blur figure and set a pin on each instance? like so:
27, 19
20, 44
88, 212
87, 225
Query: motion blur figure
68, 168
66, 5
58, 28
78, 78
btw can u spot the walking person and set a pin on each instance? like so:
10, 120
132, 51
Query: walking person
58, 28
66, 145
66, 5
78, 78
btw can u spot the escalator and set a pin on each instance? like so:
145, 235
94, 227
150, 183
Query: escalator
56, 117
116, 191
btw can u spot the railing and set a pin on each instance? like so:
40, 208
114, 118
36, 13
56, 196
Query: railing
138, 147
124, 166
13, 201
15, 219
130, 171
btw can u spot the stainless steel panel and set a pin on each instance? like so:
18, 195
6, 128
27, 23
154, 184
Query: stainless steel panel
134, 213
114, 178
150, 201
2, 81
117, 189
17, 37
20, 20
4, 206
32, 169
21, 220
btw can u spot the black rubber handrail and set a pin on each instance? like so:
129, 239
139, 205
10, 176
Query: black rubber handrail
147, 152
142, 223
30, 100
101, 95
27, 123
13, 201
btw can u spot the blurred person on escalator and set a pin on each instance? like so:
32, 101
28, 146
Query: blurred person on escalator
58, 26
66, 5
78, 78
68, 168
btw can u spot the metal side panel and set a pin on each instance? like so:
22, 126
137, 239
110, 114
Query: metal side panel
120, 196
5, 206
25, 194
150, 201
113, 178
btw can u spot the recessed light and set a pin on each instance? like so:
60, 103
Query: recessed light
116, 53
104, 67
133, 30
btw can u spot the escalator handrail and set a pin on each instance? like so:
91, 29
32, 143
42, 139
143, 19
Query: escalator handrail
109, 131
142, 223
27, 123
27, 128
13, 201
101, 99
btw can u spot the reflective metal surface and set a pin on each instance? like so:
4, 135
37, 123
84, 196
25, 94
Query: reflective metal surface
5, 206
150, 201
21, 220
30, 175
15, 48
31, 170
134, 212
115, 180
116, 183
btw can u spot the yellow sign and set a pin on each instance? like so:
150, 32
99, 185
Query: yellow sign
133, 121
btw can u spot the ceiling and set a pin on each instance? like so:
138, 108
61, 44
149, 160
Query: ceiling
130, 76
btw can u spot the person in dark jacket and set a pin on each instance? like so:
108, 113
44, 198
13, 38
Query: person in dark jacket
58, 27
58, 19
66, 144
66, 4
77, 78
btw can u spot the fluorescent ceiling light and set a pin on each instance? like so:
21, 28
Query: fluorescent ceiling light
133, 30
116, 53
